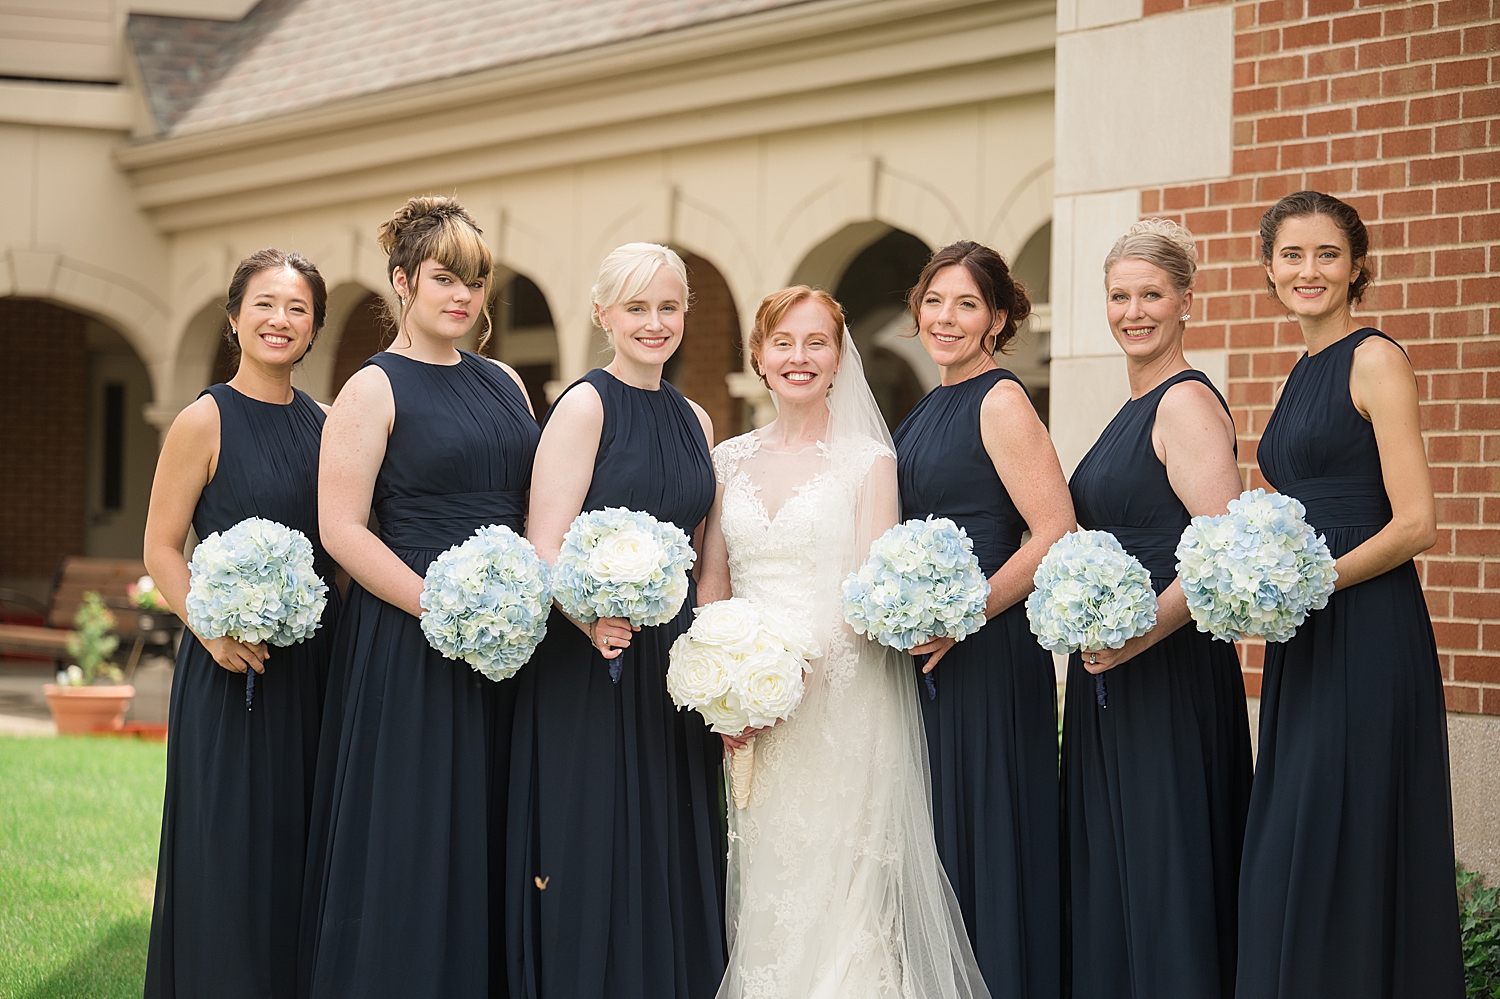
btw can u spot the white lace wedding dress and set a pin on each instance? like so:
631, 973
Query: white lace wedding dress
835, 887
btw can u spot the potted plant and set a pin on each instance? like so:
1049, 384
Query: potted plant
81, 700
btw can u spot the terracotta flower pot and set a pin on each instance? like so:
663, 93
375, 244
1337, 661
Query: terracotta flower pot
81, 710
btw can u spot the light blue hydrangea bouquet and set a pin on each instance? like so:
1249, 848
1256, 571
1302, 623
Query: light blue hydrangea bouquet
255, 582
1256, 570
1090, 594
622, 563
487, 602
920, 582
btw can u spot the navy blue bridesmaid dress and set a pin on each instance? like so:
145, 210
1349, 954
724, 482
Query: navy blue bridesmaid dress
240, 782
1347, 884
400, 867
1156, 783
616, 848
991, 713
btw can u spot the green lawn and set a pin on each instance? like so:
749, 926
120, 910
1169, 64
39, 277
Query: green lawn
79, 821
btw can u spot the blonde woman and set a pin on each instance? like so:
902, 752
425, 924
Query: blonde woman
615, 850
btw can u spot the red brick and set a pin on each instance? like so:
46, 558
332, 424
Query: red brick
1248, 45
1320, 8
1432, 232
1433, 171
1255, 160
1386, 52
1433, 357
1303, 154
1483, 40
1460, 11
1296, 36
1330, 122
1313, 92
1462, 699
1489, 702
1477, 669
1455, 634
1482, 103
1281, 69
1391, 114
1269, 189
1408, 80
1477, 228
1399, 266
1274, 11
1231, 192
1436, 45
1485, 354
1161, 6
1470, 198
1481, 165
1364, 87
1382, 175
1469, 260
1461, 323
1427, 110
1457, 385
1485, 606
1430, 294
1256, 101
1411, 142
1463, 73
1278, 129
1397, 204
1441, 572
1465, 135
1244, 75
1356, 26
1479, 416
1480, 290
1177, 198
1354, 149
1331, 62
1338, 181
1408, 18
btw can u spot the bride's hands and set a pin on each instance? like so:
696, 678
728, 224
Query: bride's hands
733, 742
610, 635
934, 650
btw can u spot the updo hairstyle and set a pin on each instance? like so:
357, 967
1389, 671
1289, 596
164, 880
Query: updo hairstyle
775, 306
1307, 203
267, 260
1161, 242
433, 228
998, 287
626, 272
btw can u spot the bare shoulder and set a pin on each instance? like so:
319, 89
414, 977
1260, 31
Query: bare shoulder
705, 420
1378, 356
1190, 400
513, 377
577, 409
368, 386
198, 423
324, 407
1008, 399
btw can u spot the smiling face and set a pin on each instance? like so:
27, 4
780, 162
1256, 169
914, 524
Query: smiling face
1145, 310
275, 322
444, 307
647, 329
1311, 267
954, 321
799, 358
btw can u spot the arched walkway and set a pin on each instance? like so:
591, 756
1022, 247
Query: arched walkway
711, 350
523, 334
77, 452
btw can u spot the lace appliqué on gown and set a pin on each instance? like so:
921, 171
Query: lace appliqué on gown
835, 889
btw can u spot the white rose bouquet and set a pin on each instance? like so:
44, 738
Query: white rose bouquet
622, 563
1090, 594
740, 667
487, 602
1256, 570
255, 582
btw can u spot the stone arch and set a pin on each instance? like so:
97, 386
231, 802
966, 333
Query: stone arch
1026, 207
78, 452
363, 332
712, 350
523, 334
198, 358
1030, 354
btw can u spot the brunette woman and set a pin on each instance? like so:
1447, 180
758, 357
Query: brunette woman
240, 775
1156, 774
615, 850
437, 442
975, 451
1346, 889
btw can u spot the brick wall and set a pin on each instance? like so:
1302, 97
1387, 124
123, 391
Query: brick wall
366, 333
1394, 107
43, 427
710, 350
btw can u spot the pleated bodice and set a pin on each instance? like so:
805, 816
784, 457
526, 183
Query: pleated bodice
1318, 448
1121, 487
652, 455
459, 454
958, 479
268, 466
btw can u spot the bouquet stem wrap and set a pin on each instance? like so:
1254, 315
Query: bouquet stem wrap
741, 771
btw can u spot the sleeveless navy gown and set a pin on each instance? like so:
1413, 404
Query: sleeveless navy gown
616, 848
400, 873
1347, 884
992, 724
239, 782
1157, 782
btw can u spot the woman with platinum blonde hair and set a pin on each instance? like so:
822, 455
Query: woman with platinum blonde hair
614, 847
836, 889
1156, 774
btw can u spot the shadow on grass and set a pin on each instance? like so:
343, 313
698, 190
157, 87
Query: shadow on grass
114, 968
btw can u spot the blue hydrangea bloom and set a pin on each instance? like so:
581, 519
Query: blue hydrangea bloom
254, 583
920, 582
1256, 570
487, 601
1090, 594
622, 563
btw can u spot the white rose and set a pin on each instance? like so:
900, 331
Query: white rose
788, 634
628, 556
730, 624
769, 685
698, 674
724, 714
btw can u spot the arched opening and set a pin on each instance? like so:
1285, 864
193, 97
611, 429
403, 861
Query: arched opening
710, 350
77, 451
365, 332
1031, 352
523, 335
872, 290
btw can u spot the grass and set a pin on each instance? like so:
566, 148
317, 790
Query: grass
79, 825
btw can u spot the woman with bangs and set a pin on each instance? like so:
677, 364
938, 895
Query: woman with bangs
437, 443
615, 849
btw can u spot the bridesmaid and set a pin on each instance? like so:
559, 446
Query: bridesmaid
240, 776
975, 451
616, 847
1347, 884
437, 442
1156, 780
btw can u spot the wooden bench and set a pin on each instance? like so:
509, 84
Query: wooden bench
77, 575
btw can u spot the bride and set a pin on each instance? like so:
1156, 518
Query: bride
835, 888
